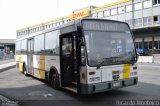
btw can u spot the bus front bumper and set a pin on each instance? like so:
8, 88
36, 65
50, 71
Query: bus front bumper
105, 86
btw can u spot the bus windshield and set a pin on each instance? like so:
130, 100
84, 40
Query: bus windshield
108, 47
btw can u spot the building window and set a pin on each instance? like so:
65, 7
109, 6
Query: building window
45, 27
54, 24
18, 33
137, 6
155, 2
94, 15
136, 45
156, 45
156, 19
31, 30
61, 22
107, 13
121, 10
41, 28
150, 44
100, 14
137, 22
147, 4
145, 44
48, 26
159, 45
57, 23
113, 11
36, 29
140, 45
129, 8
129, 22
65, 21
147, 21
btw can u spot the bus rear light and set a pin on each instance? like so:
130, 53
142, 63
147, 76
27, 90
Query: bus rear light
91, 73
135, 68
83, 76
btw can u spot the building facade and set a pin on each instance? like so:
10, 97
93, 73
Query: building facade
7, 45
143, 16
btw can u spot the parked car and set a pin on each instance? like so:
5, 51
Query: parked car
143, 51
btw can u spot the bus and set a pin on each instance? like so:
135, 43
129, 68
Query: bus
84, 56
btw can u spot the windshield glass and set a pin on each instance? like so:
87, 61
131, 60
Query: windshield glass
109, 47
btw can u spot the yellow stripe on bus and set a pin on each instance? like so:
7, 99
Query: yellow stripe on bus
42, 67
126, 72
20, 63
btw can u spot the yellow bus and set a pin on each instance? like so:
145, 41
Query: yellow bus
84, 56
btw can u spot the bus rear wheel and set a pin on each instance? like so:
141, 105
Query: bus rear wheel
25, 70
54, 79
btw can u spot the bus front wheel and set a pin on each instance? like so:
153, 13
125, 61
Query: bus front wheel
54, 79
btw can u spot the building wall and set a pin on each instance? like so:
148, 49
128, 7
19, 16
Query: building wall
143, 16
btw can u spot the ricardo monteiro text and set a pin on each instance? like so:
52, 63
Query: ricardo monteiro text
148, 103
137, 103
125, 103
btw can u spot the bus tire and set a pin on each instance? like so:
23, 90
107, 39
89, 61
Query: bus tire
54, 79
24, 70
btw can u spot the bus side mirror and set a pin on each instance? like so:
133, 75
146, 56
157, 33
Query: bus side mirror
83, 60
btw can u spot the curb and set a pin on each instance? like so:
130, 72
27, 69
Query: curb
7, 67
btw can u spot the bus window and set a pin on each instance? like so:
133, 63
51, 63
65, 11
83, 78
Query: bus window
39, 44
67, 47
107, 42
50, 43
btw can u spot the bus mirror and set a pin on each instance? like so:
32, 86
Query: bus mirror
80, 31
83, 60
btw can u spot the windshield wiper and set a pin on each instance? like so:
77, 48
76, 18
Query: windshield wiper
104, 60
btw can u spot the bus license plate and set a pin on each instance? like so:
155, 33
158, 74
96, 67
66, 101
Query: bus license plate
116, 84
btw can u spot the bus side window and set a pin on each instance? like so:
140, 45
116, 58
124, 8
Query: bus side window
67, 47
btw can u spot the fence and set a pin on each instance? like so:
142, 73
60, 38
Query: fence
155, 58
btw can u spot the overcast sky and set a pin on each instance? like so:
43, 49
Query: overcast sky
16, 14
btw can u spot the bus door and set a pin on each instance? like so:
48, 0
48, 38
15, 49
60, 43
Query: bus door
30, 56
68, 58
